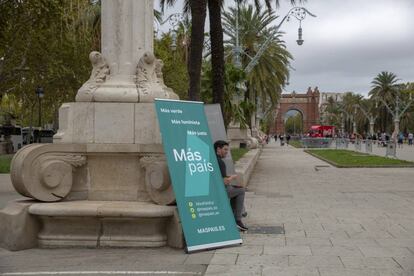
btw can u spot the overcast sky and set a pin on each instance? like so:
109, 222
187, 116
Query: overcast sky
348, 43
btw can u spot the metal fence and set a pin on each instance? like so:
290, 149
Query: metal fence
368, 146
357, 144
391, 150
343, 143
317, 142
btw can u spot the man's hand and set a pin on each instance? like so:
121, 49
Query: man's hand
227, 180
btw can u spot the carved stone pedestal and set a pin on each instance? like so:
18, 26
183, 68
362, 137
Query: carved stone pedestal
237, 136
106, 224
106, 166
241, 137
112, 182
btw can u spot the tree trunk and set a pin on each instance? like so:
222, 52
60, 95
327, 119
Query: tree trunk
217, 51
198, 18
247, 99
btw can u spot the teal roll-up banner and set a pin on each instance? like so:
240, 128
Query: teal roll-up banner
202, 201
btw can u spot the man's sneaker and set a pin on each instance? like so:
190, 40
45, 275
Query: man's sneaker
241, 226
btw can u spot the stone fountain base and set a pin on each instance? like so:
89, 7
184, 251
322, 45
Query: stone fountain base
89, 224
240, 137
103, 183
106, 224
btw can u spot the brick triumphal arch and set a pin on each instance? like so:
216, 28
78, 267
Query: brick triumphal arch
307, 104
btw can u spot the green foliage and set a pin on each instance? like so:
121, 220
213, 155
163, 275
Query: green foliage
294, 124
352, 107
407, 119
206, 83
44, 43
10, 108
236, 110
244, 110
236, 154
296, 143
266, 80
5, 161
47, 43
236, 107
384, 86
351, 113
346, 158
175, 63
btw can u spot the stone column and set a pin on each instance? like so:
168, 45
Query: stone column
106, 163
126, 71
127, 33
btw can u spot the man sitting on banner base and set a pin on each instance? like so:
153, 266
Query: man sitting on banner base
235, 193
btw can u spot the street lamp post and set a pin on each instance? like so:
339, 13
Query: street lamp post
40, 93
174, 20
397, 112
297, 12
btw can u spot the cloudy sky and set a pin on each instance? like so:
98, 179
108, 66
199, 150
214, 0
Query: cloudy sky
348, 43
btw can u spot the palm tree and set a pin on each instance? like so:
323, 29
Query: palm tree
364, 120
349, 102
384, 86
198, 15
407, 119
330, 112
198, 11
216, 37
198, 18
269, 2
266, 80
217, 50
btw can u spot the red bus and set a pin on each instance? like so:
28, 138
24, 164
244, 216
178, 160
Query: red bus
321, 131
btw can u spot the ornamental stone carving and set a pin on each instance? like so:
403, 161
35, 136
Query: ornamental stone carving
160, 78
149, 80
158, 71
157, 180
43, 174
146, 85
100, 72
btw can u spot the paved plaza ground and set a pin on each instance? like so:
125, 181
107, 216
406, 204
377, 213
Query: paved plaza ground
336, 222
